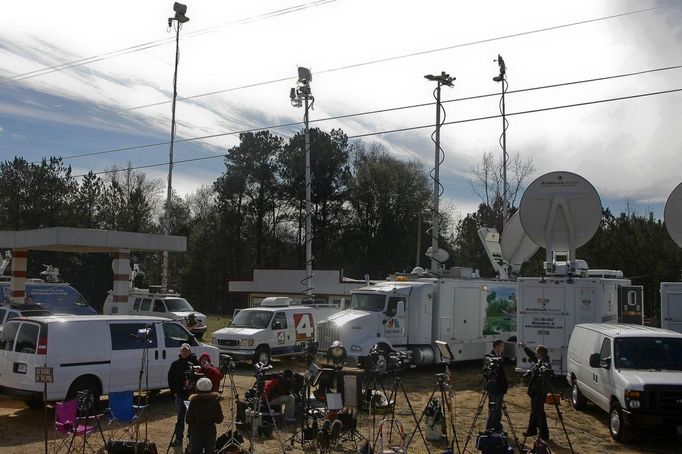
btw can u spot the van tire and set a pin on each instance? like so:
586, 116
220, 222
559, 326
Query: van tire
82, 384
578, 400
262, 355
619, 431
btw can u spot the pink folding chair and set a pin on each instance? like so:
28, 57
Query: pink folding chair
69, 425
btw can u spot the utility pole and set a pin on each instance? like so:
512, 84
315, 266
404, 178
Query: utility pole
502, 77
180, 19
302, 96
442, 79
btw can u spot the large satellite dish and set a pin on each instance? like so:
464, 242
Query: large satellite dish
516, 246
673, 215
560, 211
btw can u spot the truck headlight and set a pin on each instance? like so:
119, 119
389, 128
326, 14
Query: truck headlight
214, 341
634, 404
246, 343
355, 348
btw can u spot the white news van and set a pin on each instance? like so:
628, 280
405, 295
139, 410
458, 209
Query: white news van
671, 306
274, 329
633, 372
153, 303
96, 352
550, 306
410, 312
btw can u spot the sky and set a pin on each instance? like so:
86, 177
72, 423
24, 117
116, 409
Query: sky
364, 56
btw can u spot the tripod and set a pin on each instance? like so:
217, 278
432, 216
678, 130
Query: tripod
259, 402
398, 385
232, 440
145, 336
479, 410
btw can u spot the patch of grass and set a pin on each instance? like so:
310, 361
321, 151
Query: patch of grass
214, 323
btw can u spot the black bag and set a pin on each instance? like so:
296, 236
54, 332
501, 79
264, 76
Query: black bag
128, 447
493, 443
541, 447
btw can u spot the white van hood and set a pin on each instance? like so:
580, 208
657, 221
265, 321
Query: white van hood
343, 317
639, 378
185, 314
237, 333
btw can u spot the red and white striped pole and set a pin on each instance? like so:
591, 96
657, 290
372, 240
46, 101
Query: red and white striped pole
18, 284
121, 268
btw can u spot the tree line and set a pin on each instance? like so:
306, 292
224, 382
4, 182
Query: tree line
370, 211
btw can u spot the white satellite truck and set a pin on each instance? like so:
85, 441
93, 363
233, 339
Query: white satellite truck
409, 312
671, 292
561, 211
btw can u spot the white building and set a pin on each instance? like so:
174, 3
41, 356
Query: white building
330, 286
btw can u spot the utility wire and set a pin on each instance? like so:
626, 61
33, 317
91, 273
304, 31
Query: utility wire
412, 128
369, 112
160, 42
413, 54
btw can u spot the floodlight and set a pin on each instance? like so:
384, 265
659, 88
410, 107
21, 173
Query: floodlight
337, 352
503, 69
304, 75
430, 77
443, 79
446, 354
180, 8
292, 93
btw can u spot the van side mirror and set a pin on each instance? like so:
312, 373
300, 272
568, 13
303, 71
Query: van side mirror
400, 309
594, 360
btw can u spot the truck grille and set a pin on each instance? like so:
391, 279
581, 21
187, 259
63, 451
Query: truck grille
228, 343
328, 333
666, 399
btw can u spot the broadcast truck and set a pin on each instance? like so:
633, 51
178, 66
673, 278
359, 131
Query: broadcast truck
409, 312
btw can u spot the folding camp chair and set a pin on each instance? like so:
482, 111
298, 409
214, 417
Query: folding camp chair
124, 416
70, 425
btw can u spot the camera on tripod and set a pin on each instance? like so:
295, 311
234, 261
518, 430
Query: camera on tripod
190, 377
491, 367
227, 365
380, 361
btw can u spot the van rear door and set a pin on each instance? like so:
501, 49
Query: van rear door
19, 342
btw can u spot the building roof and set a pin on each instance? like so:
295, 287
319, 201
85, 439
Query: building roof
288, 282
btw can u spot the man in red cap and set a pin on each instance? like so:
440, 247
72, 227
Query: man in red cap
210, 371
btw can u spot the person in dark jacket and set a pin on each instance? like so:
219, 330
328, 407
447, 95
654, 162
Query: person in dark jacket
203, 413
496, 385
278, 392
540, 373
210, 371
177, 382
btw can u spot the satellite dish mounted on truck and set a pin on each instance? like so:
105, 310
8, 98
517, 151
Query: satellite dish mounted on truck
509, 252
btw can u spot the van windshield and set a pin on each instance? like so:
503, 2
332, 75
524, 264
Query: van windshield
178, 305
656, 353
363, 302
251, 319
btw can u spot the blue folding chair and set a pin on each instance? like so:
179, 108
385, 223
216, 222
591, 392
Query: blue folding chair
124, 415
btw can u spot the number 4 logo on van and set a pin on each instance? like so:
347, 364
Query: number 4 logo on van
305, 329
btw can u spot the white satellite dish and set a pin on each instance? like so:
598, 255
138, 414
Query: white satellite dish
560, 211
673, 215
441, 255
516, 246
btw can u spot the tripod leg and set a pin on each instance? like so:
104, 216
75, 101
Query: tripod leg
476, 416
420, 418
511, 427
414, 417
451, 417
561, 419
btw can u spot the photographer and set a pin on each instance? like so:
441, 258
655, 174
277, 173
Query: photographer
210, 371
180, 382
540, 372
496, 385
203, 413
278, 392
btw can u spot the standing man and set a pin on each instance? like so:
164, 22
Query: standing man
178, 376
540, 371
203, 414
496, 385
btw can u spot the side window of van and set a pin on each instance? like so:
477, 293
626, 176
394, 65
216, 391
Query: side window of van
132, 336
136, 304
145, 304
279, 321
159, 306
9, 332
2, 315
27, 340
12, 314
605, 351
175, 335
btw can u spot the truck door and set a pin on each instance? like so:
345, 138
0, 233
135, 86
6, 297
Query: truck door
601, 377
395, 320
128, 341
282, 334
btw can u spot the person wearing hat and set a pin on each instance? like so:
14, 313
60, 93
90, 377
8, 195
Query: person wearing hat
177, 382
210, 371
203, 413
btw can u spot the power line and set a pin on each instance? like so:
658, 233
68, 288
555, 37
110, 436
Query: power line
371, 112
160, 42
413, 54
413, 128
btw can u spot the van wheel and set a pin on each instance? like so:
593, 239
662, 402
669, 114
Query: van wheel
82, 384
617, 428
262, 355
578, 401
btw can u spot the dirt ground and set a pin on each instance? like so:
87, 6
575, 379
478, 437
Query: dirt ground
21, 428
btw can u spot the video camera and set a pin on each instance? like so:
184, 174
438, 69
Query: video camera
491, 367
380, 361
190, 377
227, 365
544, 369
